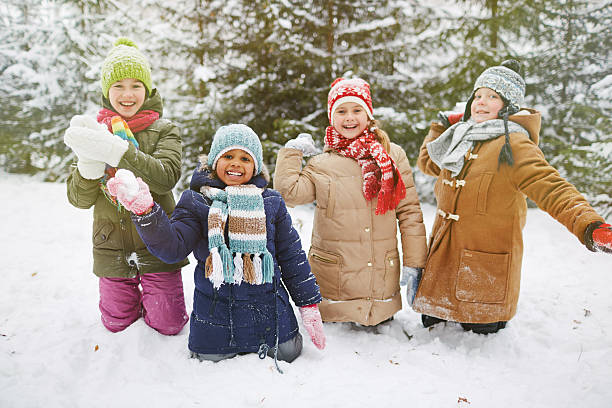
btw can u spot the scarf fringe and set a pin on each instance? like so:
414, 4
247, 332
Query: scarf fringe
257, 269
221, 268
214, 268
249, 269
268, 267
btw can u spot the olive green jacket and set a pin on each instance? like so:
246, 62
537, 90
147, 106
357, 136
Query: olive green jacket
118, 250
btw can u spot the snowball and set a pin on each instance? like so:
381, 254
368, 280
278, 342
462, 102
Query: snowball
128, 182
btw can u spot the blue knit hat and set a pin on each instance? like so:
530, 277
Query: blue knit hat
236, 136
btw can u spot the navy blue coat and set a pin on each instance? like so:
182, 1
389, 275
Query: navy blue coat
234, 318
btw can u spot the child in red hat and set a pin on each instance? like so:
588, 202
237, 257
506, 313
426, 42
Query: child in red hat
363, 188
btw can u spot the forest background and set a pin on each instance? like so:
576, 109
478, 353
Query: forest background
269, 64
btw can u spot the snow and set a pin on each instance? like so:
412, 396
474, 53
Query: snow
127, 183
54, 352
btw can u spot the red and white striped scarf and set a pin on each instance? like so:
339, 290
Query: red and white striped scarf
381, 177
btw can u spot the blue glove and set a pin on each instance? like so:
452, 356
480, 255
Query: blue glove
411, 277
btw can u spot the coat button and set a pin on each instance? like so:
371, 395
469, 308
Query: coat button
103, 236
369, 263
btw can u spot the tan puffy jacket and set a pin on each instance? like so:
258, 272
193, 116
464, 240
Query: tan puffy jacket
475, 251
354, 252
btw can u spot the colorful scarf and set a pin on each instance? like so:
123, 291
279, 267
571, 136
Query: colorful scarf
242, 206
120, 128
136, 123
380, 174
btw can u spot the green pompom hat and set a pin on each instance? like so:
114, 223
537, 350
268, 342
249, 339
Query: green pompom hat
125, 61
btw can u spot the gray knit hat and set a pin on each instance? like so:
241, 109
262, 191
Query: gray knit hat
505, 79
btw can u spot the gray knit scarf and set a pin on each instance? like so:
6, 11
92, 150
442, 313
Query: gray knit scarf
449, 149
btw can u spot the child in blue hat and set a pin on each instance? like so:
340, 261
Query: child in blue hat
250, 258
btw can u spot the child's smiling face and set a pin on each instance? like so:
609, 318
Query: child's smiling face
235, 167
350, 119
486, 105
127, 96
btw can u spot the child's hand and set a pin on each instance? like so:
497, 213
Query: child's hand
311, 318
131, 192
303, 143
601, 236
449, 118
411, 277
86, 122
97, 144
91, 169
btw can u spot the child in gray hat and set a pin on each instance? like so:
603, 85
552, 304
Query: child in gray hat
486, 164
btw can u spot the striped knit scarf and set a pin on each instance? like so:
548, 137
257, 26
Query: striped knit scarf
242, 207
381, 177
120, 128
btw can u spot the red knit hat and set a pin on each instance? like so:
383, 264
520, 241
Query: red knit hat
349, 90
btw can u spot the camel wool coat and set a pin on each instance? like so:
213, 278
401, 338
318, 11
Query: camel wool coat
354, 252
473, 266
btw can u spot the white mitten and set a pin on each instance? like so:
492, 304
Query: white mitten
97, 144
86, 122
304, 143
91, 169
411, 277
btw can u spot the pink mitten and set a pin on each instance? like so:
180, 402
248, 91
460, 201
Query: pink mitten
311, 318
131, 192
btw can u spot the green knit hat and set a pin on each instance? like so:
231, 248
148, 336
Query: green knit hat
125, 61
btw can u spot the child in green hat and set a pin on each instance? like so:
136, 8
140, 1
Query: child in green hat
128, 133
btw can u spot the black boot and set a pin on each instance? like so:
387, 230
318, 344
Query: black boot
484, 328
430, 320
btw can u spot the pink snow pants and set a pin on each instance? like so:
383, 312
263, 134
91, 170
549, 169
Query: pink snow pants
161, 302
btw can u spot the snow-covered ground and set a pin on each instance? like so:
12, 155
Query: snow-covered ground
54, 352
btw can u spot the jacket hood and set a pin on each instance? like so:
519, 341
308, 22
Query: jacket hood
531, 120
201, 177
153, 102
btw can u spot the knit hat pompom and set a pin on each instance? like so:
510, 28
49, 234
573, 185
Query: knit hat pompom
125, 41
506, 80
349, 90
236, 136
123, 61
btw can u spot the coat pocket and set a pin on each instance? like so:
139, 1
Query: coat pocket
482, 277
392, 273
483, 193
326, 267
102, 236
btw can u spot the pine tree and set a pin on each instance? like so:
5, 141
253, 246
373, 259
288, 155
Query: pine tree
269, 64
47, 78
570, 72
